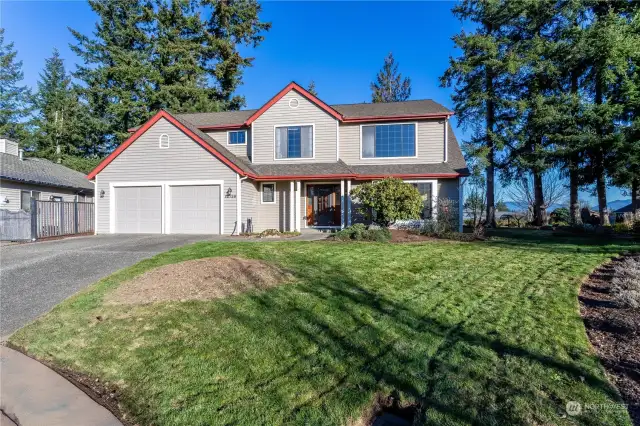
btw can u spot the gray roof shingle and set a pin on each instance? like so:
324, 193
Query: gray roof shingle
42, 172
306, 169
391, 109
217, 118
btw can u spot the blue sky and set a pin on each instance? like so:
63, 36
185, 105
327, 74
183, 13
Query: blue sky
339, 45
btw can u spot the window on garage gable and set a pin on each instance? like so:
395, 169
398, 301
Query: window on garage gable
164, 141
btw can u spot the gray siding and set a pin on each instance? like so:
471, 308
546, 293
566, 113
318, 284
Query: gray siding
430, 145
280, 114
250, 203
143, 161
9, 147
448, 188
220, 136
11, 190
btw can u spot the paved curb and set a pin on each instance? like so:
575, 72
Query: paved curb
33, 394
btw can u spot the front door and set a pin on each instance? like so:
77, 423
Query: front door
323, 205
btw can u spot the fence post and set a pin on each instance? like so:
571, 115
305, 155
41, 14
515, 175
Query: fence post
75, 216
34, 219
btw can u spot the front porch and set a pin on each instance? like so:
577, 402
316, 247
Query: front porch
318, 205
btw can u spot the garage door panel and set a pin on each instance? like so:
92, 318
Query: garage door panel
195, 209
138, 210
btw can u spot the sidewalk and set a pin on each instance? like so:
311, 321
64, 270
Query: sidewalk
32, 394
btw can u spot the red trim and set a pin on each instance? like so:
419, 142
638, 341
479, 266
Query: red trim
409, 176
294, 86
304, 177
395, 117
146, 126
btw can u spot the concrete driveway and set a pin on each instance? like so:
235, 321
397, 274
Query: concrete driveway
35, 277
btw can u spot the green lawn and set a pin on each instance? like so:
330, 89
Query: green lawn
485, 332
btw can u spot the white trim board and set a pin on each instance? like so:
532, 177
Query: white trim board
165, 199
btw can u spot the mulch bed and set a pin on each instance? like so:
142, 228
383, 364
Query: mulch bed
614, 332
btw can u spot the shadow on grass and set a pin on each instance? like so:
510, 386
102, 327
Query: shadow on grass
369, 344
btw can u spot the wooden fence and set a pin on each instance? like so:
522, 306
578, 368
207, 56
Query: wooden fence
58, 218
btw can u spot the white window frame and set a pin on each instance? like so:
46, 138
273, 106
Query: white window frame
415, 129
434, 195
313, 142
275, 192
237, 131
165, 200
160, 141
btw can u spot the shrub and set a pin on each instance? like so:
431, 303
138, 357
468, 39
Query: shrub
621, 228
636, 227
560, 215
360, 232
391, 199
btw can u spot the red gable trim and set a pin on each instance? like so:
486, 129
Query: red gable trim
294, 86
145, 127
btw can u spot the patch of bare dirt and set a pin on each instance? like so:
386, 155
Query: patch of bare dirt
614, 332
387, 411
404, 236
201, 279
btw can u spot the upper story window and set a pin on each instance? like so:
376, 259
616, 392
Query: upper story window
294, 142
388, 140
164, 141
237, 137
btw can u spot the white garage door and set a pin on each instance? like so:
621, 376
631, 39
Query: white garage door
138, 210
195, 209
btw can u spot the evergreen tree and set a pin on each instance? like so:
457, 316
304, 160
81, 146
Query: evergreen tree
312, 88
231, 24
58, 128
14, 99
481, 77
117, 71
180, 81
609, 41
389, 85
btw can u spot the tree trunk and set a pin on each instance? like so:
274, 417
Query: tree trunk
601, 189
574, 204
490, 121
538, 200
635, 198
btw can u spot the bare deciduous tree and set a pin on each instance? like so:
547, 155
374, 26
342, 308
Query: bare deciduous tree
521, 191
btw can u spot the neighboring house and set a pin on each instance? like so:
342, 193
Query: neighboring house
24, 177
622, 212
289, 165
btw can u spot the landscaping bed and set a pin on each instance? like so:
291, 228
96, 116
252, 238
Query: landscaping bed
614, 328
442, 332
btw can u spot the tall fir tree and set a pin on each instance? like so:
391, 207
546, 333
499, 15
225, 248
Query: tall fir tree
116, 68
608, 44
230, 25
481, 78
59, 129
15, 105
389, 85
312, 88
180, 82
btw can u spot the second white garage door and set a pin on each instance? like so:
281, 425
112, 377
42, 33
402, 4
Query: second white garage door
195, 209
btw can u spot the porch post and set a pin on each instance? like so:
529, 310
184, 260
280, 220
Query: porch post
342, 203
291, 206
348, 202
297, 205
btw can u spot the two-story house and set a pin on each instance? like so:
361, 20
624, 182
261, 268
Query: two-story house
289, 165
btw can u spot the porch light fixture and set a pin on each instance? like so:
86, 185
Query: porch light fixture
102, 193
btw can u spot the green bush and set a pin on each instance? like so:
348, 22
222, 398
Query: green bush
621, 227
391, 199
360, 232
